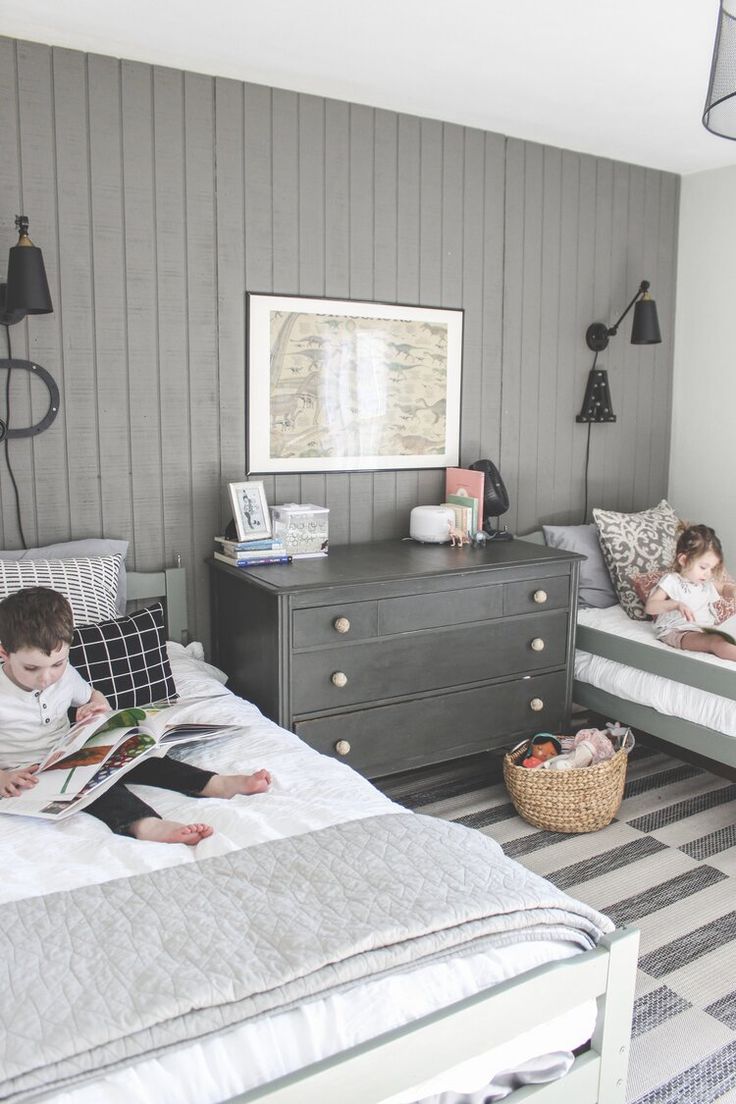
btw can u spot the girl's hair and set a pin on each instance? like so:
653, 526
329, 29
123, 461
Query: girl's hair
35, 617
694, 541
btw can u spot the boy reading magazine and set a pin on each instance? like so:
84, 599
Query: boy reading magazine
97, 751
50, 770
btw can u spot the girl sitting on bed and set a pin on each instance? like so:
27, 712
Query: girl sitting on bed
38, 686
682, 601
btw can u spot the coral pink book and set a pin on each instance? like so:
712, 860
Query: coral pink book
467, 484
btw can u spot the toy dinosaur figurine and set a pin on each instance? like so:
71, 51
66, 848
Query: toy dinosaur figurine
457, 537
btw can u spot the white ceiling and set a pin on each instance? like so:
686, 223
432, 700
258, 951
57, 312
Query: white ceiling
624, 79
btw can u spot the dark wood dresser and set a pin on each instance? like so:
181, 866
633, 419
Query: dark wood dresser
395, 654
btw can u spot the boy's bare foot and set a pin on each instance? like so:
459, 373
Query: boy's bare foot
156, 830
228, 785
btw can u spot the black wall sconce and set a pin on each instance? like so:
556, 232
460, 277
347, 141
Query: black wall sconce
597, 405
26, 292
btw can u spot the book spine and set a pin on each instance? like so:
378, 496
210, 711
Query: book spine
260, 553
247, 546
256, 561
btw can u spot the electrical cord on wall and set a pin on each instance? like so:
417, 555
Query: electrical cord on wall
7, 443
587, 463
587, 456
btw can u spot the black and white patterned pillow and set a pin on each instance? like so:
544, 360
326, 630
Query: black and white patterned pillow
89, 583
125, 658
636, 543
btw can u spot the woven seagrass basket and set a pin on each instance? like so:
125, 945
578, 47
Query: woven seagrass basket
579, 800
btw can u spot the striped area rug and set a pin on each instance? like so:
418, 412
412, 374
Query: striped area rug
667, 865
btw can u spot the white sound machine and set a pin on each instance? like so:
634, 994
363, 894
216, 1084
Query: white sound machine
431, 524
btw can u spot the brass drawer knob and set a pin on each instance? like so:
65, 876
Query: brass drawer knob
342, 747
339, 678
537, 644
540, 597
536, 704
341, 624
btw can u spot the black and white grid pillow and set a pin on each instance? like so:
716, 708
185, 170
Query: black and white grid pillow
125, 658
89, 583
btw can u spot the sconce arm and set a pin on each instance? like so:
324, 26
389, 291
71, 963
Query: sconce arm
598, 333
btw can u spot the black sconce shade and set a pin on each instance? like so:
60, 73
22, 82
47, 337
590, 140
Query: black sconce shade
645, 327
719, 114
27, 289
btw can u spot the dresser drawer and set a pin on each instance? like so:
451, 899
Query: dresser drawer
330, 678
330, 624
536, 594
439, 610
396, 737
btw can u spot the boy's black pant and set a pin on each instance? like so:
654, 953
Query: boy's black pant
118, 807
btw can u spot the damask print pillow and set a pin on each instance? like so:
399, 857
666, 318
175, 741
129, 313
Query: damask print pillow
634, 544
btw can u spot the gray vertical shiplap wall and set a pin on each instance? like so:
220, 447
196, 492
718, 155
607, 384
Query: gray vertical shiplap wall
160, 197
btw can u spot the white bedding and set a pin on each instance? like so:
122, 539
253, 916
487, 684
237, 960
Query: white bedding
672, 698
309, 791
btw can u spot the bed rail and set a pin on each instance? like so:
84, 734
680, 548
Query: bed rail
659, 660
169, 585
715, 747
400, 1059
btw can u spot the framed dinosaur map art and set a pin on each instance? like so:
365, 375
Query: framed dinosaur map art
340, 385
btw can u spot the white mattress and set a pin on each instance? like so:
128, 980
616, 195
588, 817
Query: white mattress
309, 791
672, 698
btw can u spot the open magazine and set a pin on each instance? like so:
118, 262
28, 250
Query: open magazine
726, 629
94, 754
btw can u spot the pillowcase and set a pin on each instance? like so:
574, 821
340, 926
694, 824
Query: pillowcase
644, 583
90, 583
636, 543
125, 658
69, 550
595, 587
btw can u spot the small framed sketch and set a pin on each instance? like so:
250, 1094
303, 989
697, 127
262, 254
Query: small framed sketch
250, 510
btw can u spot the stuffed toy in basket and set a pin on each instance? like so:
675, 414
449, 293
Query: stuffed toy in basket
577, 799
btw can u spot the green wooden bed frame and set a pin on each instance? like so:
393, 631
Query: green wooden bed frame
716, 747
169, 585
398, 1060
695, 740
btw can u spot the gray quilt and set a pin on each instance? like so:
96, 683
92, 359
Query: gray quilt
100, 976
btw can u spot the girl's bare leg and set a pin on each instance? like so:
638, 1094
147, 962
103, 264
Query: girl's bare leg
708, 642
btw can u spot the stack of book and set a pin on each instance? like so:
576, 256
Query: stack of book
251, 553
464, 496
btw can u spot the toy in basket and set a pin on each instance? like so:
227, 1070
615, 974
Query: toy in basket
580, 799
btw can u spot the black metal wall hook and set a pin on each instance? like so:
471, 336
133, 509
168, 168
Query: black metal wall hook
53, 409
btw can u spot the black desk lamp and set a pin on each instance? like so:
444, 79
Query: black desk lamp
597, 406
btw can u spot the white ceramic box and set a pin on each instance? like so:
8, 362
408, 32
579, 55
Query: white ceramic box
302, 526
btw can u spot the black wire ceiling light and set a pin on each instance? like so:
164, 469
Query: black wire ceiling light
719, 115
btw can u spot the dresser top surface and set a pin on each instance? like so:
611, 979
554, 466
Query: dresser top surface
396, 559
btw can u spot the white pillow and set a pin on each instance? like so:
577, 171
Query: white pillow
71, 550
90, 583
